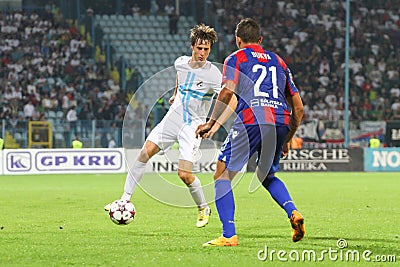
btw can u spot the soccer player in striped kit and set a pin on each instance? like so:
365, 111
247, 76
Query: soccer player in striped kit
269, 110
197, 80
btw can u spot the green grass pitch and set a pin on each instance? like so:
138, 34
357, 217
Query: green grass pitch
58, 220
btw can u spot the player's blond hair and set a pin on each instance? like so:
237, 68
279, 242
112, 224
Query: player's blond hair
203, 32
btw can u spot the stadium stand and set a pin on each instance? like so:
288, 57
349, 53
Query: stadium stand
44, 63
144, 40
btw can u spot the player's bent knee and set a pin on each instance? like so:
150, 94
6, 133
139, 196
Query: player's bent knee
186, 177
267, 181
143, 156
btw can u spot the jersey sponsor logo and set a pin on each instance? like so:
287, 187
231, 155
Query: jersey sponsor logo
234, 134
266, 103
18, 161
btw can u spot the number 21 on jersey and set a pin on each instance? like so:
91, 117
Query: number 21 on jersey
263, 75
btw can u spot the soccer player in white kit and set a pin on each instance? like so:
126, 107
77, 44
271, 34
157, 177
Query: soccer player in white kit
197, 82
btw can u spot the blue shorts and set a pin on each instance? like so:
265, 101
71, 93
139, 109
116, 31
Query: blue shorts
244, 140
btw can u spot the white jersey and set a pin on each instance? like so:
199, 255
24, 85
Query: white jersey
196, 88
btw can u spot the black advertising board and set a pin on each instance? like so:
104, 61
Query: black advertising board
320, 160
392, 137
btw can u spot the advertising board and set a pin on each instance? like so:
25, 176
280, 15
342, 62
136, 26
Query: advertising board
38, 161
382, 159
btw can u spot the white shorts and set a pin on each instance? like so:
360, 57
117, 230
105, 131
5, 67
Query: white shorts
171, 130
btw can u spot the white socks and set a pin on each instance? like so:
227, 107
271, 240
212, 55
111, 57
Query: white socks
133, 178
197, 193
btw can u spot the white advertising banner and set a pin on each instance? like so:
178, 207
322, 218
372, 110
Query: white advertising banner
59, 161
39, 161
206, 161
382, 159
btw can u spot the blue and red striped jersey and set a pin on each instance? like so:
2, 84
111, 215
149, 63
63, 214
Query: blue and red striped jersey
262, 83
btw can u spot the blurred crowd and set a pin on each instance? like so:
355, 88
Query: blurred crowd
310, 37
47, 65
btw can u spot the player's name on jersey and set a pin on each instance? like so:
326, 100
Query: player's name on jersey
260, 55
265, 103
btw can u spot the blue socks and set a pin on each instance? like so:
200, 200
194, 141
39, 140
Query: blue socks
226, 207
226, 204
280, 194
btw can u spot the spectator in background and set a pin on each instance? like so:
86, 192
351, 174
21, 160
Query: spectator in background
54, 102
173, 18
128, 73
85, 116
98, 36
374, 142
115, 75
111, 143
36, 114
104, 140
72, 119
88, 21
135, 81
169, 9
29, 109
135, 10
46, 102
154, 7
8, 95
324, 67
396, 105
76, 143
173, 23
159, 110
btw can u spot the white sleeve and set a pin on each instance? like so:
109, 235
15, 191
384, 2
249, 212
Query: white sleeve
179, 61
217, 80
176, 62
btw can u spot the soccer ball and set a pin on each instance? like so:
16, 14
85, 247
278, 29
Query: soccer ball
122, 212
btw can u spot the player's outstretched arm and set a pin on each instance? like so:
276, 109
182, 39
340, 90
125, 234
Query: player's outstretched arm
229, 110
223, 100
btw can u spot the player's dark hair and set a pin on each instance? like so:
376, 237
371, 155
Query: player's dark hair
248, 30
203, 32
